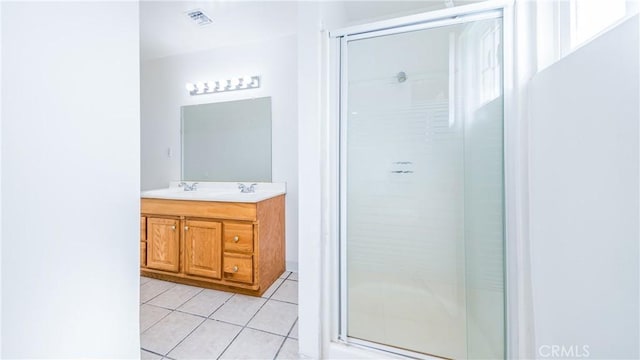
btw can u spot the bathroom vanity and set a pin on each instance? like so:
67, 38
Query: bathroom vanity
214, 237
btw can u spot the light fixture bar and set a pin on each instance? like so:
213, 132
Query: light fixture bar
224, 85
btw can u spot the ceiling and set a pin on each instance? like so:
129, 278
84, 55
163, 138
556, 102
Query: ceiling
166, 30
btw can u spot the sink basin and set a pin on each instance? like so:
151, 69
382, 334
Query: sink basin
211, 194
178, 193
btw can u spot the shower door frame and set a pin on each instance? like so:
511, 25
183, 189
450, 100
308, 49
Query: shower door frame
337, 155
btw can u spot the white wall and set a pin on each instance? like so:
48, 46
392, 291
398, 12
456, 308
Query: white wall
70, 180
584, 198
163, 93
315, 291
309, 177
0, 177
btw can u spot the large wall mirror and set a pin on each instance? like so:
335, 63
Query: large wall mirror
227, 141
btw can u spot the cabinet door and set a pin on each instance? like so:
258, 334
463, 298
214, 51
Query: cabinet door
143, 254
163, 244
203, 242
143, 228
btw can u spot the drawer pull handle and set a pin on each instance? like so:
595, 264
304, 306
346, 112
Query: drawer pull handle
235, 268
173, 227
186, 228
236, 238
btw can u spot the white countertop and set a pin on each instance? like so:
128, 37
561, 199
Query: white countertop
217, 191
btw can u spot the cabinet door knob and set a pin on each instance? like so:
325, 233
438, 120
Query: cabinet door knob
186, 228
235, 268
173, 227
236, 238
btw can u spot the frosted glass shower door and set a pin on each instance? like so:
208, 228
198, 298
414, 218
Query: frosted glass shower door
423, 190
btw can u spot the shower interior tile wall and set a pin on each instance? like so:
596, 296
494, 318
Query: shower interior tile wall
186, 322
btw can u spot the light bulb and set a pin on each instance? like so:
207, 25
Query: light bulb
211, 85
246, 80
190, 87
200, 87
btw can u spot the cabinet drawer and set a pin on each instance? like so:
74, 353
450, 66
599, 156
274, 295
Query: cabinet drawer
143, 228
238, 237
143, 254
238, 268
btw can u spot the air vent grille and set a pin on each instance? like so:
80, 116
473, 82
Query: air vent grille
199, 17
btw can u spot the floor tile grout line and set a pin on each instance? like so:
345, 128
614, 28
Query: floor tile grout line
153, 352
247, 323
276, 289
196, 294
257, 311
184, 338
221, 305
268, 332
189, 299
242, 326
282, 301
157, 321
292, 326
282, 283
162, 292
249, 327
172, 309
280, 348
146, 303
230, 342
188, 313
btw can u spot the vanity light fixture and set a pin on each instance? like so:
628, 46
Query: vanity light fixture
216, 86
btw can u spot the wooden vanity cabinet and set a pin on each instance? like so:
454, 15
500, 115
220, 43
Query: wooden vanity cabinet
230, 246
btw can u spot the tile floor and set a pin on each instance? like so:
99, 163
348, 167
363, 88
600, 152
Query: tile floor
186, 322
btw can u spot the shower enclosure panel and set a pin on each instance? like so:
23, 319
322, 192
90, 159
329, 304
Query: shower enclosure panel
422, 190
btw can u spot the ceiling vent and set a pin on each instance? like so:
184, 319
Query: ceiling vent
199, 17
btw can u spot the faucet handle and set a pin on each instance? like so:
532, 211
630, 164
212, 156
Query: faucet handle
194, 186
242, 187
252, 187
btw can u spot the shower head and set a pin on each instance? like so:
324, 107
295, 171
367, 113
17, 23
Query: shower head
401, 76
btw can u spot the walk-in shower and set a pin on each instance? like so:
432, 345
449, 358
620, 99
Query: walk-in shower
422, 187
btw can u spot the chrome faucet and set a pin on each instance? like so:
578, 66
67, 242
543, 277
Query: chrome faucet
187, 187
247, 189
